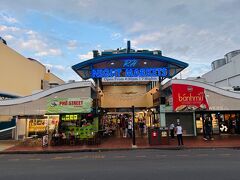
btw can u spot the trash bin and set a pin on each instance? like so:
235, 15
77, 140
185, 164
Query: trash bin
154, 136
158, 136
164, 135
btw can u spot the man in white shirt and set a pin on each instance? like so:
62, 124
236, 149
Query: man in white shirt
179, 131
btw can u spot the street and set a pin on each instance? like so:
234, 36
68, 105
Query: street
137, 164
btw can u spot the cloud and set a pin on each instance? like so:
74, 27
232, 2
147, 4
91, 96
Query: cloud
137, 27
55, 67
33, 42
72, 44
4, 28
6, 18
8, 37
50, 52
192, 31
87, 56
115, 36
195, 45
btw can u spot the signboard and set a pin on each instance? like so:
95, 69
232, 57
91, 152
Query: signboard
69, 105
37, 125
188, 98
70, 117
127, 79
129, 72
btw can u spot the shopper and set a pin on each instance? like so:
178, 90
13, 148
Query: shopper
208, 129
172, 128
179, 132
141, 127
125, 127
130, 128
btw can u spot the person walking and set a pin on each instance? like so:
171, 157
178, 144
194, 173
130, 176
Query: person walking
208, 129
141, 127
179, 132
130, 128
172, 127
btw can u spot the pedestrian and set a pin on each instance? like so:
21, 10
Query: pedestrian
129, 128
179, 131
141, 127
125, 128
208, 129
172, 128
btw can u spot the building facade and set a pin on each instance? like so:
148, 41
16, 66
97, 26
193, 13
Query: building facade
124, 80
32, 75
20, 76
225, 72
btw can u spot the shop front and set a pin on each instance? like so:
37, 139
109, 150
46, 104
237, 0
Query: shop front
129, 78
117, 123
184, 100
201, 101
42, 113
77, 121
223, 122
40, 125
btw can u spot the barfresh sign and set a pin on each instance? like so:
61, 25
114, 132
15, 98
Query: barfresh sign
69, 105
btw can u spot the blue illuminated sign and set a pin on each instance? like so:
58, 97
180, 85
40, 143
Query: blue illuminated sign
130, 72
130, 63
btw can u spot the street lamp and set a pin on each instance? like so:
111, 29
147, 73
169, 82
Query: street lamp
133, 126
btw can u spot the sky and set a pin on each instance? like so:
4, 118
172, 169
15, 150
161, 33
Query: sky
60, 34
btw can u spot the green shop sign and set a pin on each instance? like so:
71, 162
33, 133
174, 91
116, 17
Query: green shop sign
69, 105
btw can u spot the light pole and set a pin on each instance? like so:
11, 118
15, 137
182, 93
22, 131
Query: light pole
162, 105
133, 126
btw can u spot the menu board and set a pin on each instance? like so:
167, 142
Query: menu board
70, 117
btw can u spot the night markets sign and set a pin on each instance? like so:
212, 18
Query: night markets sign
69, 105
129, 72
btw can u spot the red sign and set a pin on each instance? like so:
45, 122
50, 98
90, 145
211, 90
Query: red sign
188, 98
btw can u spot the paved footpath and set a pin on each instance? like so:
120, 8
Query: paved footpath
114, 143
7, 144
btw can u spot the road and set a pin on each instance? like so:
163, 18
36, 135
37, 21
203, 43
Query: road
220, 164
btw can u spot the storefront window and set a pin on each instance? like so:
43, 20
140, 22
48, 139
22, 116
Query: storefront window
37, 127
82, 126
199, 124
42, 125
215, 124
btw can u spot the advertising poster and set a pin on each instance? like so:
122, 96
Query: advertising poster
69, 105
188, 98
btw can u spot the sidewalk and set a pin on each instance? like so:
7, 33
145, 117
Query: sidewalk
113, 143
6, 144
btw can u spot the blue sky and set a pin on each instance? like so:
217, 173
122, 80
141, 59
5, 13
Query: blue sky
60, 34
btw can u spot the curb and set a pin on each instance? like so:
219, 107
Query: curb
106, 149
81, 150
